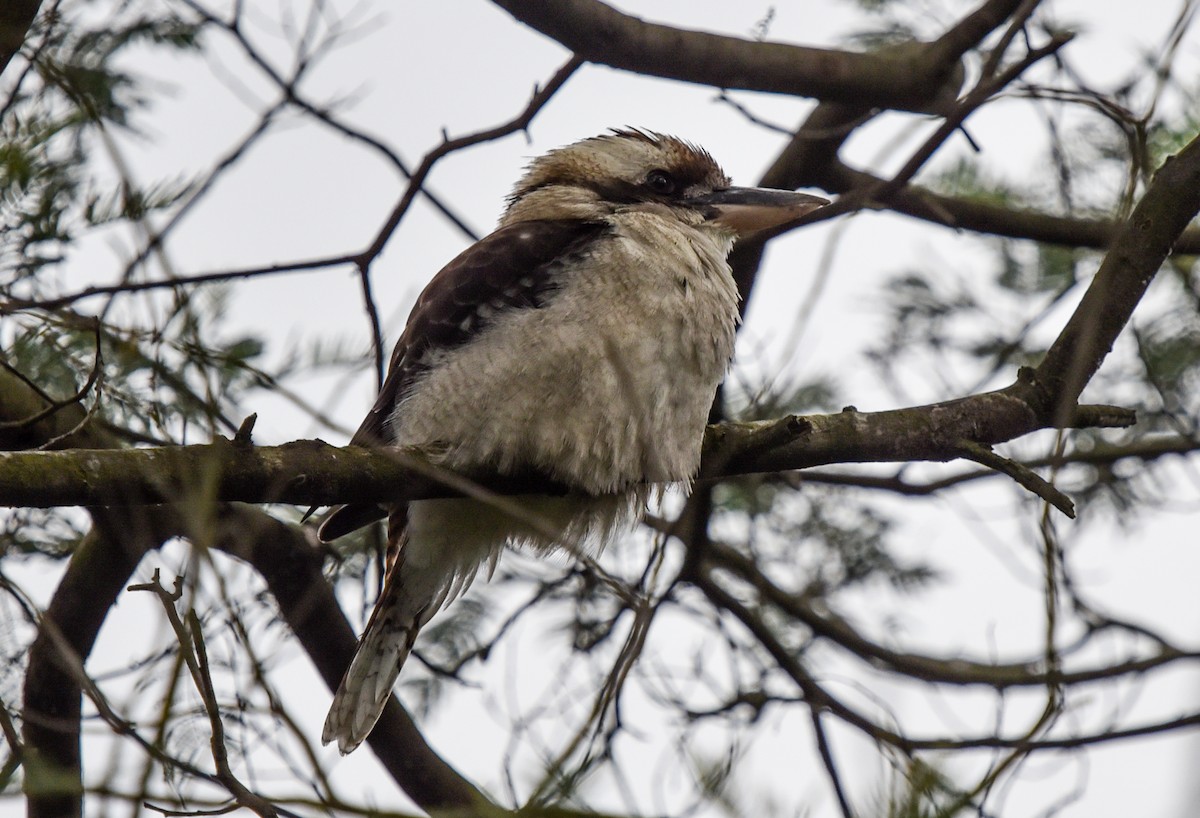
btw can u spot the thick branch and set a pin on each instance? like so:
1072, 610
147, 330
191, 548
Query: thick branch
1139, 249
16, 16
97, 574
983, 217
906, 79
314, 473
930, 433
292, 569
813, 150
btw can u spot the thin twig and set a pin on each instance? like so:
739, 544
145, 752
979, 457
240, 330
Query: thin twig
323, 115
191, 644
519, 123
13, 305
1023, 475
364, 278
830, 766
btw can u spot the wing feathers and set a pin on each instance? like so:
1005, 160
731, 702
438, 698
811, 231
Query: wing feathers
513, 268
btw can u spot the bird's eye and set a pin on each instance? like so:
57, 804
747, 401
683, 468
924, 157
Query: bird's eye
660, 182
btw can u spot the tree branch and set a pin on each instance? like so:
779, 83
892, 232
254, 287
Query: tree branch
1097, 454
98, 572
814, 147
311, 472
16, 16
903, 79
825, 623
993, 219
195, 655
292, 570
1139, 249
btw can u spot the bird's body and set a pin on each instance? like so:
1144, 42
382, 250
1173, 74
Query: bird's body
582, 341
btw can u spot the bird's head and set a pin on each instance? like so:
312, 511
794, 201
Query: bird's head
629, 170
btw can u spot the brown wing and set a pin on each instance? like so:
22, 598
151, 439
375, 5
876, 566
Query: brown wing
516, 267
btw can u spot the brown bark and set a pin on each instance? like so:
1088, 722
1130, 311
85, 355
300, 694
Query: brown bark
313, 473
16, 16
918, 78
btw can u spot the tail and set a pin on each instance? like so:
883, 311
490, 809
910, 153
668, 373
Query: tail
367, 685
405, 605
428, 563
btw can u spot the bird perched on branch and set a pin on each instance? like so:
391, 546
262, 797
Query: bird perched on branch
582, 341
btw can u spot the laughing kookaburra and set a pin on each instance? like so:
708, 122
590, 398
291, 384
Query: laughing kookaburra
582, 341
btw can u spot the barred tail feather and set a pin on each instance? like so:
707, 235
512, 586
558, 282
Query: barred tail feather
402, 609
435, 549
365, 688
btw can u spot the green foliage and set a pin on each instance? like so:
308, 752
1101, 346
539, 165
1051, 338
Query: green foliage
967, 178
925, 313
789, 396
39, 181
61, 353
160, 369
1165, 139
49, 124
82, 63
1052, 268
922, 792
133, 204
1169, 348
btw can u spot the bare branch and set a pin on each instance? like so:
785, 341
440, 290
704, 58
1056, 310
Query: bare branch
314, 473
52, 706
958, 670
520, 122
291, 565
1023, 476
13, 305
1139, 249
1099, 454
993, 219
190, 638
598, 33
15, 19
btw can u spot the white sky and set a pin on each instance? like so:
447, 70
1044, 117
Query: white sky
418, 68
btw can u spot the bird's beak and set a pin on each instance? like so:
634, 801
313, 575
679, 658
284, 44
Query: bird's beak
747, 210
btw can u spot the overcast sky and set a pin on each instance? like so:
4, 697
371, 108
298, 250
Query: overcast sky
412, 70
